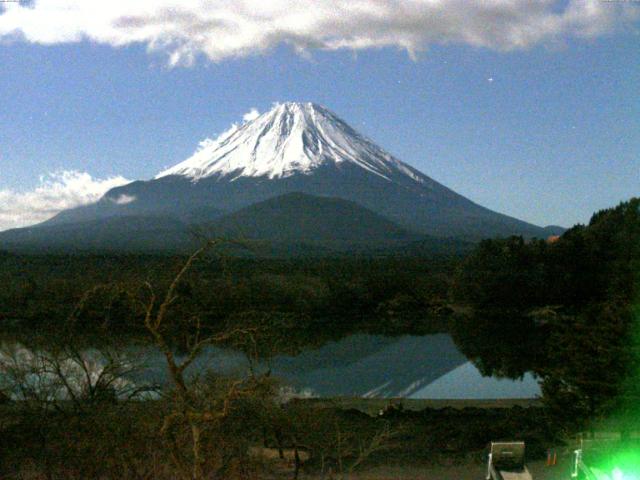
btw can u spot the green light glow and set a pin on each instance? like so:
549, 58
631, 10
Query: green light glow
615, 462
618, 474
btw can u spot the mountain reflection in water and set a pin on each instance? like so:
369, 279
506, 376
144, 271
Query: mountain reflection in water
377, 366
374, 366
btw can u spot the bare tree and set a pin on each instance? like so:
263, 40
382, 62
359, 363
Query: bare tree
55, 388
189, 409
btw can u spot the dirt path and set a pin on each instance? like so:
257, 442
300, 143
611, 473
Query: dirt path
539, 471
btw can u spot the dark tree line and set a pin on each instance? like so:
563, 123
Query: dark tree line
566, 309
327, 297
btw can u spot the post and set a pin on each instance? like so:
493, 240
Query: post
489, 466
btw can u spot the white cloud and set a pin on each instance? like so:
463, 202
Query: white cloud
55, 193
251, 115
211, 143
219, 29
123, 199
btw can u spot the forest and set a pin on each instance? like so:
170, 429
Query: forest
100, 293
564, 308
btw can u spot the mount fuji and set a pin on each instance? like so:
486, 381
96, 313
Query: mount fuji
298, 158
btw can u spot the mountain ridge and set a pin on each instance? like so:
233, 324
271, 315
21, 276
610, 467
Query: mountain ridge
295, 221
304, 148
311, 219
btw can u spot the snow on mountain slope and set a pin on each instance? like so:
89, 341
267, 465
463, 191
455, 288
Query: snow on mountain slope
289, 139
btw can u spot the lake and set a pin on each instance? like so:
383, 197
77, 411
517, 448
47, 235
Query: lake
376, 366
367, 366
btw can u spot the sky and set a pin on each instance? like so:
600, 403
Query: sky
528, 108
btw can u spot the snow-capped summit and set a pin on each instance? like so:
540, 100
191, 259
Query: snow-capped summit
289, 139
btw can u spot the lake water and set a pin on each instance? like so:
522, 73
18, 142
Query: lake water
420, 367
374, 366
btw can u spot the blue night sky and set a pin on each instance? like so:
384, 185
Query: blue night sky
547, 133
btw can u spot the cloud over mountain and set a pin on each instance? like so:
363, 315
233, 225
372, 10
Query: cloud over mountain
56, 192
220, 29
